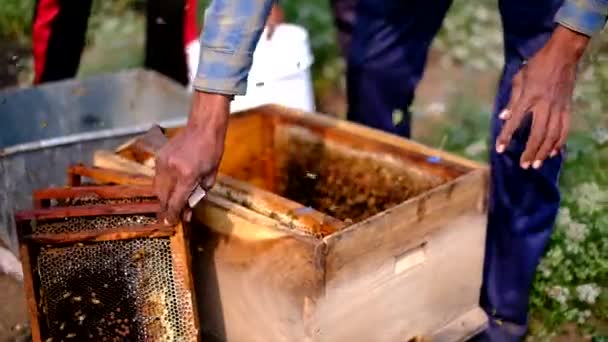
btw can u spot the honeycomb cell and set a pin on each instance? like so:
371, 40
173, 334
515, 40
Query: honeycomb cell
113, 291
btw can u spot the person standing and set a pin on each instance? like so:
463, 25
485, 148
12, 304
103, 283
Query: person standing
543, 43
59, 31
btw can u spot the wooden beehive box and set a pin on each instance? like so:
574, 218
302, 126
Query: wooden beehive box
324, 230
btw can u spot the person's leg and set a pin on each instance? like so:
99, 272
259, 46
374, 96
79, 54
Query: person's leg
165, 38
344, 12
523, 203
58, 38
387, 58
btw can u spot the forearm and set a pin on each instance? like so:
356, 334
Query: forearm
230, 33
567, 44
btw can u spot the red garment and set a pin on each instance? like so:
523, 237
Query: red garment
59, 32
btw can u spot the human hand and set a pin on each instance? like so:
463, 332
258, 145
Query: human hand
544, 87
193, 156
275, 18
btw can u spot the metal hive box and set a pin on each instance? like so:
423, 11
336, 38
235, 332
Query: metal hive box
98, 267
324, 230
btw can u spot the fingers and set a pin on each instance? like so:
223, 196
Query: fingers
540, 117
179, 198
506, 113
563, 134
187, 215
513, 114
209, 180
163, 182
511, 125
552, 134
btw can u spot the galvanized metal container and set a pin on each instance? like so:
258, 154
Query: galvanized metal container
46, 128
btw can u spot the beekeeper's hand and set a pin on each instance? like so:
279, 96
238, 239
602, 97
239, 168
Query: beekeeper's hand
193, 156
275, 18
543, 88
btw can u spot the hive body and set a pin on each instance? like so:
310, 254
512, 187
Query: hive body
323, 230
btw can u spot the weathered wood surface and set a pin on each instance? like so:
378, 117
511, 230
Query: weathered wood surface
110, 234
110, 160
105, 176
280, 208
256, 279
462, 328
29, 281
99, 192
421, 261
351, 132
90, 210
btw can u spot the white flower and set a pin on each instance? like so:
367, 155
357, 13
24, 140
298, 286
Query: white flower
564, 218
559, 293
576, 231
482, 13
588, 293
589, 197
476, 148
600, 135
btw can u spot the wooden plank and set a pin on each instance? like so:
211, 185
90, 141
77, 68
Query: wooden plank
280, 208
247, 153
463, 328
247, 289
105, 176
109, 160
182, 265
98, 192
94, 210
354, 131
110, 234
27, 256
147, 143
142, 149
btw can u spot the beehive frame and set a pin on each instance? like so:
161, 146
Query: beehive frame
172, 253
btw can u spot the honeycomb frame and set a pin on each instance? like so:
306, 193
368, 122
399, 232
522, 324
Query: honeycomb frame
113, 231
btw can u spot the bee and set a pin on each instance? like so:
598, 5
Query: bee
139, 254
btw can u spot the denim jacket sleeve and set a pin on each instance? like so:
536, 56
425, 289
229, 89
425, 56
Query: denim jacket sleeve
230, 33
584, 16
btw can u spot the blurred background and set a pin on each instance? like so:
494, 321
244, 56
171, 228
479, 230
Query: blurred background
452, 108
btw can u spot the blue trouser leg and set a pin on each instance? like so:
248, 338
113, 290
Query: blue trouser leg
523, 203
387, 57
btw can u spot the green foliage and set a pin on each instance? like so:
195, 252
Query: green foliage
15, 19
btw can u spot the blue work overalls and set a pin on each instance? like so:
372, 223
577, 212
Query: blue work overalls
386, 58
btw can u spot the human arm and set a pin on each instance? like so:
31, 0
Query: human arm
544, 86
275, 18
229, 36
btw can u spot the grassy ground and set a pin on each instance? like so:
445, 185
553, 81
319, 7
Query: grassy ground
570, 296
